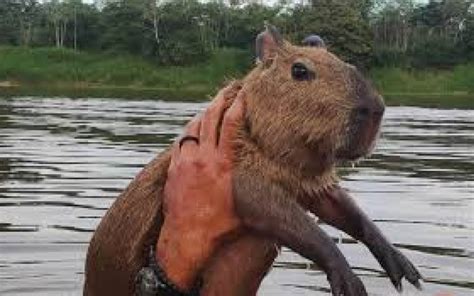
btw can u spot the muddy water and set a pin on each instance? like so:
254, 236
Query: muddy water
62, 163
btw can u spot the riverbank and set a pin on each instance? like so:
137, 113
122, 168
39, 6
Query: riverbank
453, 88
61, 72
56, 72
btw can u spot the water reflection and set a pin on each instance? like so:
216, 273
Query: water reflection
63, 161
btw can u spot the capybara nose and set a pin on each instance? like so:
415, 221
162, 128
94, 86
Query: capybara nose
371, 106
379, 108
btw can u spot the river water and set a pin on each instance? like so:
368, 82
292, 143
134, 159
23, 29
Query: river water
63, 161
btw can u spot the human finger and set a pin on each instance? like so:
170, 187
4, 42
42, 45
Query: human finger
189, 142
174, 155
232, 89
233, 117
212, 116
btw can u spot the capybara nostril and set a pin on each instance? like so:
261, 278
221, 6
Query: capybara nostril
363, 111
371, 107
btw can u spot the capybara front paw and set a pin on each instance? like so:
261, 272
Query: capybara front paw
346, 284
398, 267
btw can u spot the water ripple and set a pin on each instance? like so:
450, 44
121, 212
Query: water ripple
63, 162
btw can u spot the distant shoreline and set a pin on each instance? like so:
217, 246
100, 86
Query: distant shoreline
461, 100
64, 73
82, 90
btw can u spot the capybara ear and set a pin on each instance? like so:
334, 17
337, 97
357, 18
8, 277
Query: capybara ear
267, 43
314, 41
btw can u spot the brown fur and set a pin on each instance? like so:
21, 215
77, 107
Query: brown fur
294, 133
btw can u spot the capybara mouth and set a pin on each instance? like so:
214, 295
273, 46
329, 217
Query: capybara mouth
361, 136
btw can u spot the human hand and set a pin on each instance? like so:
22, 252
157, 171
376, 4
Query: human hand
198, 203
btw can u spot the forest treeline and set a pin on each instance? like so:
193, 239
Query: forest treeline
402, 33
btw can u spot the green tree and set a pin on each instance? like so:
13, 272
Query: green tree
8, 22
467, 35
422, 35
187, 32
342, 27
19, 20
122, 28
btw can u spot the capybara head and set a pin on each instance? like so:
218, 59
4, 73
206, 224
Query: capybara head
306, 107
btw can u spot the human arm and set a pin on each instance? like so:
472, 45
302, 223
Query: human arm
198, 205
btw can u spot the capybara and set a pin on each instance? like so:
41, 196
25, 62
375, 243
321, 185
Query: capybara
306, 111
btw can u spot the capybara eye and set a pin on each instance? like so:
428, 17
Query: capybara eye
300, 72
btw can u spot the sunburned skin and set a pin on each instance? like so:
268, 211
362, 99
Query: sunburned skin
306, 111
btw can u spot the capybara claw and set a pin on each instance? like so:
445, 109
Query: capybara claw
398, 267
347, 285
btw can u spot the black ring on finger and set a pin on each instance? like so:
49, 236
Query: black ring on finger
188, 138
